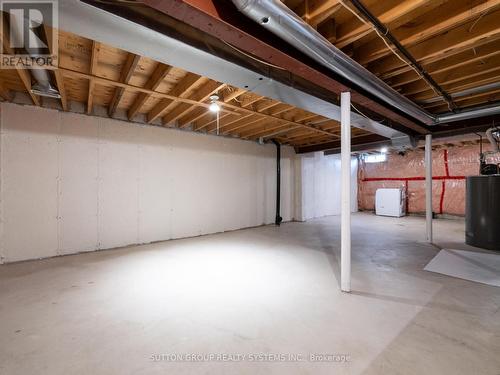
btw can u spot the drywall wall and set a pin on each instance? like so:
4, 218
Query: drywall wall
451, 164
318, 188
72, 183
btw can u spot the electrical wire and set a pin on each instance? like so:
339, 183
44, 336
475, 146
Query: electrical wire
253, 57
478, 19
391, 48
365, 116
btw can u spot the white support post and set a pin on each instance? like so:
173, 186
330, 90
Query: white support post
428, 186
345, 213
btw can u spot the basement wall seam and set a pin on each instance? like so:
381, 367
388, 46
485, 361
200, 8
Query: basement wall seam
74, 183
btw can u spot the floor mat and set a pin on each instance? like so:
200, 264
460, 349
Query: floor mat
479, 267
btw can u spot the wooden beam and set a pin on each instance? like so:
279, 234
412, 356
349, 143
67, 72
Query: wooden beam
315, 12
193, 117
5, 93
475, 100
444, 45
273, 131
329, 30
57, 74
94, 58
246, 102
272, 118
451, 63
126, 74
444, 18
153, 82
26, 79
304, 140
108, 82
459, 100
475, 82
198, 124
212, 119
255, 120
284, 108
302, 134
307, 140
249, 100
349, 32
282, 132
61, 89
267, 128
181, 113
359, 140
448, 78
196, 119
280, 128
266, 104
224, 120
464, 85
179, 90
234, 94
306, 117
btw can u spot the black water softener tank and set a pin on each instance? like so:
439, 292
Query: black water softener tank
482, 212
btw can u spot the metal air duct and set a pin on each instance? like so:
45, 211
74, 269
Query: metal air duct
283, 22
42, 87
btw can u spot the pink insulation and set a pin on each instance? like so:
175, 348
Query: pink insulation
450, 165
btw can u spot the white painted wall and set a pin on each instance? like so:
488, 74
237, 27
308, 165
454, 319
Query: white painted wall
318, 193
71, 183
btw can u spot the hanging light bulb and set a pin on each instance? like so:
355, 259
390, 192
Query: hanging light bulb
214, 107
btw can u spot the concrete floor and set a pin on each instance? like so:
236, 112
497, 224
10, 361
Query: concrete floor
252, 292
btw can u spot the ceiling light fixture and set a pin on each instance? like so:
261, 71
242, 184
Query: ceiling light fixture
214, 107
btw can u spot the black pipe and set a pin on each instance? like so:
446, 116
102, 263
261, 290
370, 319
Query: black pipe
388, 35
278, 218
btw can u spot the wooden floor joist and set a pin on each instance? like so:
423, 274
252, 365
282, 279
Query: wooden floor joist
154, 81
126, 73
93, 66
455, 41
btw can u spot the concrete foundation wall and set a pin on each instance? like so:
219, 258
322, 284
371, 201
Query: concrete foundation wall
71, 183
320, 190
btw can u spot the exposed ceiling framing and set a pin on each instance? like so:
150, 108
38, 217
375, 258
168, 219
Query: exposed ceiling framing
96, 74
456, 41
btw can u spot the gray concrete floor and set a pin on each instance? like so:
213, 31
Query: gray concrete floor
253, 292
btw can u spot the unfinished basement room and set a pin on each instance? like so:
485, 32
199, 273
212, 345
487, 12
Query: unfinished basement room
250, 187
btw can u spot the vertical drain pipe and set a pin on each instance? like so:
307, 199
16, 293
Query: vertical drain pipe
428, 187
345, 208
278, 217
